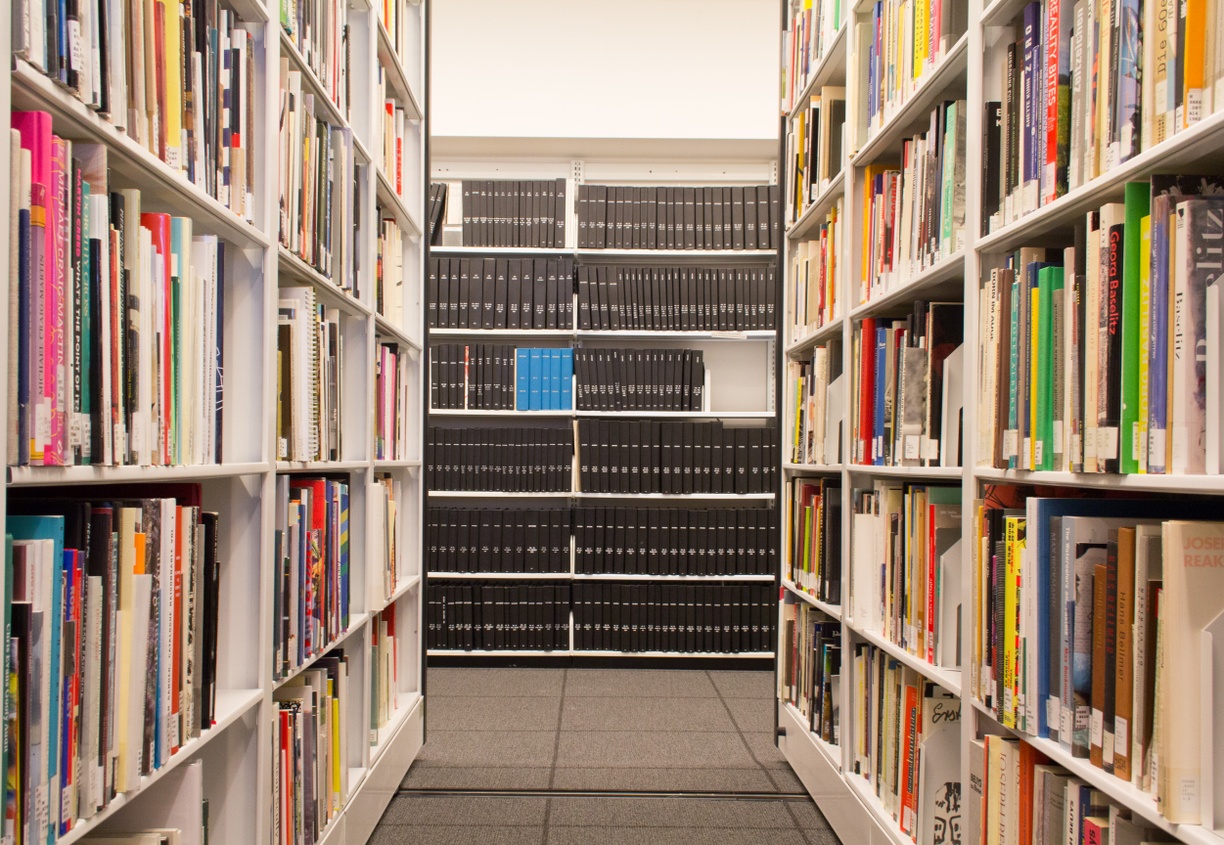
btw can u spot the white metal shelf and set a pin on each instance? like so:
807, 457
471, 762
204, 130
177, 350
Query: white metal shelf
580, 576
680, 415
293, 268
675, 255
500, 250
356, 623
919, 286
525, 334
949, 679
875, 808
1107, 481
823, 469
829, 69
232, 706
813, 215
495, 494
331, 110
321, 466
931, 89
380, 464
407, 585
390, 60
33, 476
393, 202
762, 497
406, 704
932, 473
833, 611
815, 337
500, 576
508, 412
130, 163
635, 334
387, 330
830, 752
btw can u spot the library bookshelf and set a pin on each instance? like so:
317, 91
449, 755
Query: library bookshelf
740, 384
827, 52
233, 764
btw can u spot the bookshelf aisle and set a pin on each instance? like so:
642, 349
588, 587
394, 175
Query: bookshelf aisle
581, 342
992, 621
230, 222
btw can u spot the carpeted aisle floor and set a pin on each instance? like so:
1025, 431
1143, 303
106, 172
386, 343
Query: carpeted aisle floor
638, 736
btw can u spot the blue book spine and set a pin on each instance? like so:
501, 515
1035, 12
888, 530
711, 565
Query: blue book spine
554, 379
881, 369
1158, 354
1130, 46
567, 379
522, 379
535, 394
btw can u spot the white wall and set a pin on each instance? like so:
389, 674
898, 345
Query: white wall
605, 68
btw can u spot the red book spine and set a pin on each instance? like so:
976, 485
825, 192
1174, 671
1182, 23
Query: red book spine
867, 344
1050, 162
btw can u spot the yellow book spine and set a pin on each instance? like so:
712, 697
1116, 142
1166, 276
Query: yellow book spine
1194, 88
922, 28
172, 47
1010, 618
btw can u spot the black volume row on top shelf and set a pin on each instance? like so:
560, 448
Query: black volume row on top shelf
484, 616
503, 212
501, 293
497, 540
624, 217
688, 618
639, 379
676, 299
675, 541
502, 459
651, 456
478, 376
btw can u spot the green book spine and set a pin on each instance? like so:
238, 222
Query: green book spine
1137, 202
1049, 280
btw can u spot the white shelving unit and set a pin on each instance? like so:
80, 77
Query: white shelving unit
737, 360
237, 751
965, 71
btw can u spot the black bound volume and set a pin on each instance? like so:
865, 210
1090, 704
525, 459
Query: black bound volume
678, 218
509, 213
703, 299
474, 292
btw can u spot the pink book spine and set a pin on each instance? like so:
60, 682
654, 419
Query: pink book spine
1054, 24
57, 229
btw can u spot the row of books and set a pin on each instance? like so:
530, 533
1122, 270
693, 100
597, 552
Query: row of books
811, 293
384, 576
395, 128
1017, 792
178, 80
497, 539
319, 30
310, 749
651, 456
384, 671
438, 193
311, 576
914, 211
392, 423
675, 299
684, 618
111, 661
906, 744
816, 395
398, 21
319, 194
514, 459
482, 616
115, 323
906, 565
674, 541
503, 212
1089, 630
811, 29
471, 377
389, 272
902, 43
723, 217
1081, 93
908, 387
809, 677
813, 541
309, 377
640, 379
815, 147
1085, 355
501, 293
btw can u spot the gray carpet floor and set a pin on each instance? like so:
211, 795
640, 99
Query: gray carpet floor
551, 733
